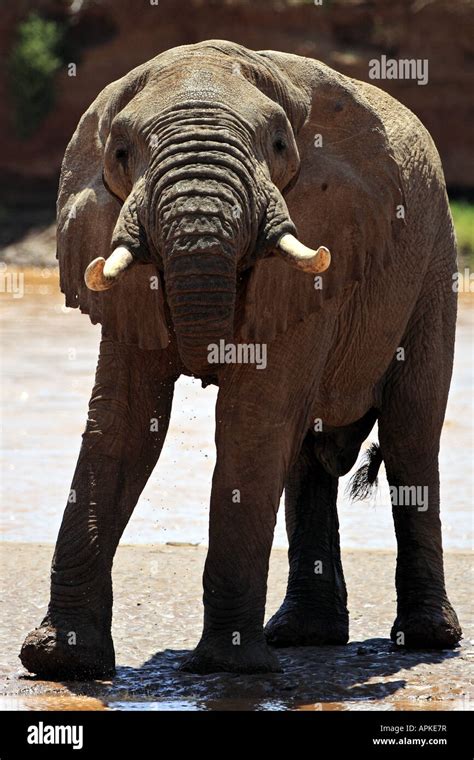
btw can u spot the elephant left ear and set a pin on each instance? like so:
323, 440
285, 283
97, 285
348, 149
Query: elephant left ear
348, 196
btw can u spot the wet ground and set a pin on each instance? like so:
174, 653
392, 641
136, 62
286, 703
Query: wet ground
49, 355
49, 358
157, 620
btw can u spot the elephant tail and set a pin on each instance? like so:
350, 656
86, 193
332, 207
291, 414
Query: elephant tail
365, 480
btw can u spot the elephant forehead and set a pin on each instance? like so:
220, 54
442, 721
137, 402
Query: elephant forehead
173, 86
219, 81
202, 84
207, 86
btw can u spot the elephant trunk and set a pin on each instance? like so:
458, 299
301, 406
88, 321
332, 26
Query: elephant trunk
200, 253
203, 200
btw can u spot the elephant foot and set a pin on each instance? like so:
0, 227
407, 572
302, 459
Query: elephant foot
427, 628
211, 657
297, 626
66, 653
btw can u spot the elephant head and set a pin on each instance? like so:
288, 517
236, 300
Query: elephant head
183, 166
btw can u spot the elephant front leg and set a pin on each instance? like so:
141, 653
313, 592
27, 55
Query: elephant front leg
247, 484
314, 610
128, 418
242, 522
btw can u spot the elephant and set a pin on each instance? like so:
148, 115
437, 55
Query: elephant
189, 197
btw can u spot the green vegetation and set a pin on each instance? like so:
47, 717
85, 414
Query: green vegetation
463, 216
33, 62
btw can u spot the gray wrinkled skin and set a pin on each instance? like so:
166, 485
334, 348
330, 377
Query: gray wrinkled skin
198, 162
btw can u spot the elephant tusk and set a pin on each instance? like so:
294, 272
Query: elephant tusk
101, 274
302, 257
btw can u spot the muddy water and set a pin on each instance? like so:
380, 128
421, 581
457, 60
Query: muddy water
49, 355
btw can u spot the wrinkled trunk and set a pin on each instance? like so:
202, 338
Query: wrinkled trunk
203, 200
200, 279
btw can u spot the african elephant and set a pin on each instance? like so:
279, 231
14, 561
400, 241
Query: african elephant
202, 170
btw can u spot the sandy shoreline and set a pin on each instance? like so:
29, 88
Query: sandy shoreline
157, 617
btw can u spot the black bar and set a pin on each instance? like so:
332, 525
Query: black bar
319, 733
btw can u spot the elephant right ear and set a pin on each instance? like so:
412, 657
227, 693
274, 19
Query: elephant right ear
346, 197
133, 311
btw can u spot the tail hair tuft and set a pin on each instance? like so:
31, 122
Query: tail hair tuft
365, 479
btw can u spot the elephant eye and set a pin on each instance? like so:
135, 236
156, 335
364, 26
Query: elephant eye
279, 145
121, 154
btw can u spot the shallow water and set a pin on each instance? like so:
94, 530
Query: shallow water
49, 356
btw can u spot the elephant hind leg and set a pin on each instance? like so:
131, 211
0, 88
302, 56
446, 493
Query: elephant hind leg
425, 618
411, 418
314, 610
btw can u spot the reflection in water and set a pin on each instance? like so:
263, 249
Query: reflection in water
49, 360
71, 702
50, 702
